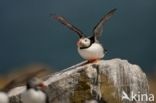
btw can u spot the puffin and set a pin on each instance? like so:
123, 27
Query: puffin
34, 92
4, 97
89, 48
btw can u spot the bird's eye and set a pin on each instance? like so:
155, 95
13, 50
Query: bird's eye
86, 40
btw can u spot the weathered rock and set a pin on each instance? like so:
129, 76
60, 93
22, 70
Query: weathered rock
102, 81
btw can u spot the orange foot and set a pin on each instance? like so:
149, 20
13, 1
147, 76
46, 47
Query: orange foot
92, 61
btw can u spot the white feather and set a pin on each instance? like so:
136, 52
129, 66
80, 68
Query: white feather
16, 91
33, 96
4, 98
95, 51
91, 101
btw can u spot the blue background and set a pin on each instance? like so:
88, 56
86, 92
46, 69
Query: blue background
28, 35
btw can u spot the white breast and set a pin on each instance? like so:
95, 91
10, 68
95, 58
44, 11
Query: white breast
4, 98
95, 51
33, 96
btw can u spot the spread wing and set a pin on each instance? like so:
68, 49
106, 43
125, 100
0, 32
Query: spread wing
65, 22
98, 29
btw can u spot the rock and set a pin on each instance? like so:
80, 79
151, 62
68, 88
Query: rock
103, 81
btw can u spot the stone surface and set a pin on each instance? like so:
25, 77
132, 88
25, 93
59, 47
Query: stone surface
102, 82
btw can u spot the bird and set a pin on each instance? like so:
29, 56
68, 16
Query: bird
4, 97
89, 48
34, 92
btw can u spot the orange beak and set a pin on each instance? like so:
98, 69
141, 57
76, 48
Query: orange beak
78, 43
42, 85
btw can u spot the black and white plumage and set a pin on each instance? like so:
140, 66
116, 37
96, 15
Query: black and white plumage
89, 48
34, 92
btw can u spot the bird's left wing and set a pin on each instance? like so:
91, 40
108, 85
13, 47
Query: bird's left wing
97, 30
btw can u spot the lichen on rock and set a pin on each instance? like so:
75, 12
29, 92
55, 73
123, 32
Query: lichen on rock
102, 81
